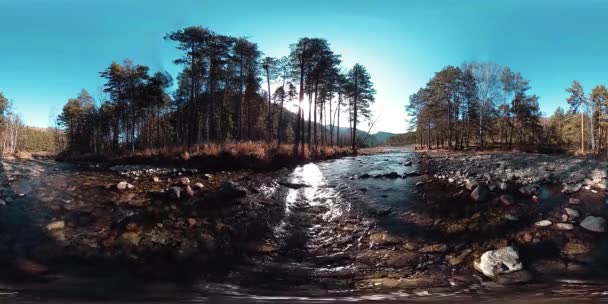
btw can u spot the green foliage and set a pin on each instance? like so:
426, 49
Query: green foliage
37, 140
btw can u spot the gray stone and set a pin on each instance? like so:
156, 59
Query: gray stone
514, 278
543, 223
231, 189
574, 201
528, 190
594, 224
564, 226
175, 193
572, 213
507, 199
500, 261
184, 181
480, 193
122, 185
569, 189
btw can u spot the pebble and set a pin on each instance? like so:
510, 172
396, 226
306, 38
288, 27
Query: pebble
572, 213
564, 226
543, 223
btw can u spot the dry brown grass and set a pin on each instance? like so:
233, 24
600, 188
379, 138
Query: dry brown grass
233, 155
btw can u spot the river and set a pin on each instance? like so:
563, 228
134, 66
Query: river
319, 252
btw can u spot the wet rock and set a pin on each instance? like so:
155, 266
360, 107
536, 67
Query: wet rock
457, 260
548, 266
507, 199
408, 163
56, 225
569, 189
420, 183
30, 267
496, 262
131, 237
384, 238
503, 186
572, 213
392, 175
594, 224
188, 192
400, 260
156, 179
514, 278
199, 186
511, 217
574, 201
364, 176
160, 237
2, 202
435, 248
184, 181
480, 193
175, 193
575, 247
232, 189
543, 223
124, 186
294, 185
404, 283
564, 226
528, 190
471, 184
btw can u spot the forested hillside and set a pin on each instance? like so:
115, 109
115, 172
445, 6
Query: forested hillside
227, 91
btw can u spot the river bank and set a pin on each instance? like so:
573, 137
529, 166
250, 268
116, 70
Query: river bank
375, 224
550, 209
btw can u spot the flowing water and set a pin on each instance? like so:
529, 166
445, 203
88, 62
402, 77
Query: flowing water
326, 220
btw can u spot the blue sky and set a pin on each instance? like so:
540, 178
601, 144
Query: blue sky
52, 49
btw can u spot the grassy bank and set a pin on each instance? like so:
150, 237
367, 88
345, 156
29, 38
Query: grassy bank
229, 156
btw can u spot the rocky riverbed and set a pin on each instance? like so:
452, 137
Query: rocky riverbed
394, 225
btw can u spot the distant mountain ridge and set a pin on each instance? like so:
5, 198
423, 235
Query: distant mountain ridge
373, 140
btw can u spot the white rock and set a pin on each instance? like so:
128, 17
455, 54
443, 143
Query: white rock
122, 185
564, 226
496, 262
572, 213
543, 223
594, 224
56, 225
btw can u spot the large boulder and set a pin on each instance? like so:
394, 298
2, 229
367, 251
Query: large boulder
594, 224
500, 261
232, 189
480, 193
